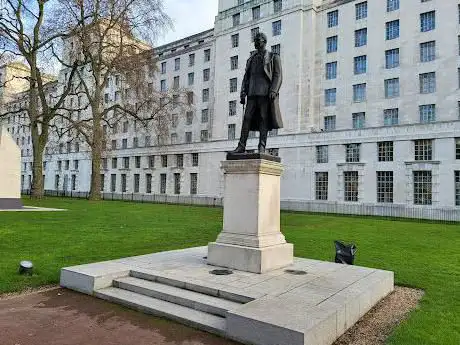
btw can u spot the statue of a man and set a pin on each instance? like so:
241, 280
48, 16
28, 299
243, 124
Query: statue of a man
261, 84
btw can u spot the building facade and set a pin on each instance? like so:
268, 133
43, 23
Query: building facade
370, 104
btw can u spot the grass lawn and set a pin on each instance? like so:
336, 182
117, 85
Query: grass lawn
422, 254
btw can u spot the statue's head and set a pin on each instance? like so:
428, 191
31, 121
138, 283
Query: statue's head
260, 41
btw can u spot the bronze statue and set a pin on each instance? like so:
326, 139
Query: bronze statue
261, 83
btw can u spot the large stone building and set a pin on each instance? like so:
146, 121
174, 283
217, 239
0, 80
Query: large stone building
370, 103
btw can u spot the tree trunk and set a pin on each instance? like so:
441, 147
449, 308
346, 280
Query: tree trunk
96, 153
37, 190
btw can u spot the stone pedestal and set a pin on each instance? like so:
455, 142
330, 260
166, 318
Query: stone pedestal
10, 172
251, 239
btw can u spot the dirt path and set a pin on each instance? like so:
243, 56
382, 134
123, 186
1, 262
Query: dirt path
55, 316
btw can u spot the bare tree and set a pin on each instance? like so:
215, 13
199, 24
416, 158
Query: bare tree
108, 39
27, 31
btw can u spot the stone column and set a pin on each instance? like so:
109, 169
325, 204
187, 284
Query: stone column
251, 239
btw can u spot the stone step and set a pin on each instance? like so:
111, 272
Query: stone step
149, 305
191, 299
234, 295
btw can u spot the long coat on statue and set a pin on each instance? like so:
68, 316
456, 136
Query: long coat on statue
272, 68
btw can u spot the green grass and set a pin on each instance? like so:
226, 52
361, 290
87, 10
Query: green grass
422, 254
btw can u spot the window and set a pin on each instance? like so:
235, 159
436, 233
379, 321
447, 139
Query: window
191, 59
162, 183
385, 186
392, 58
231, 108
188, 137
276, 28
176, 82
102, 182
423, 150
321, 185
234, 62
137, 162
235, 40
191, 78
352, 153
189, 118
163, 67
114, 144
457, 148
391, 88
329, 123
385, 151
277, 6
331, 70
359, 93
206, 74
207, 55
231, 131
233, 85
173, 138
392, 5
189, 97
359, 120
254, 32
151, 162
193, 183
205, 95
204, 116
177, 64
113, 183
125, 162
390, 117
427, 113
195, 159
422, 187
124, 143
276, 49
135, 142
76, 163
322, 154
361, 10
67, 165
332, 44
179, 160
123, 183
164, 161
136, 183
204, 135
256, 13
360, 64
114, 163
332, 19
163, 87
427, 21
428, 82
350, 182
361, 37
236, 19
427, 51
392, 30
457, 188
330, 96
148, 183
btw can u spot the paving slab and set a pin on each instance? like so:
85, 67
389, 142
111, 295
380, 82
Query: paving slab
309, 302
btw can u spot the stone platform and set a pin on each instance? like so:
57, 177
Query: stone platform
309, 302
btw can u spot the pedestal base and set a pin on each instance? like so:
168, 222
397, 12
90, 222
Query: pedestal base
249, 259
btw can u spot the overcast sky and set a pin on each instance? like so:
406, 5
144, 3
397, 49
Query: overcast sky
189, 17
